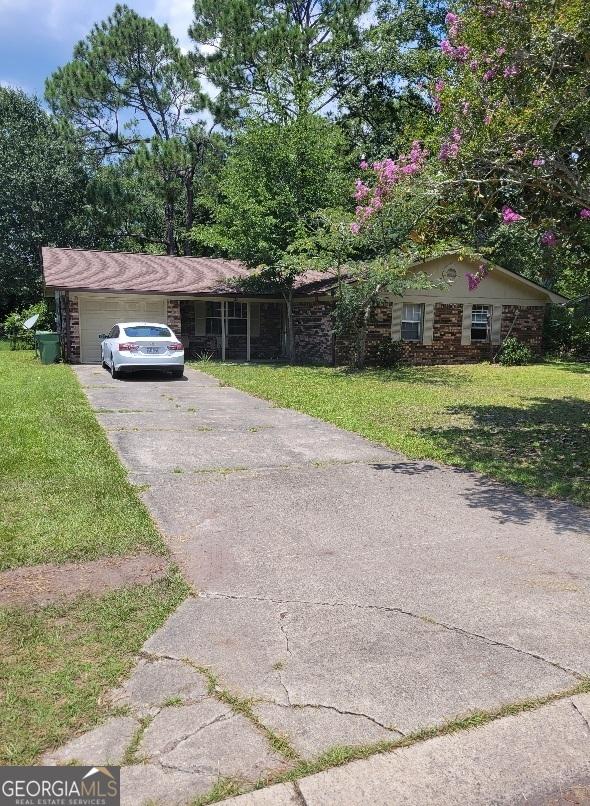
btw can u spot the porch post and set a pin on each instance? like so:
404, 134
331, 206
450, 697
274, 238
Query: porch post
248, 331
223, 330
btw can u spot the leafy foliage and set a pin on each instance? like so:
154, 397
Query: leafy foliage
127, 77
281, 58
44, 177
275, 178
14, 324
514, 353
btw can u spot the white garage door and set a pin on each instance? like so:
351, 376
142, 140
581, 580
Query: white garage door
99, 314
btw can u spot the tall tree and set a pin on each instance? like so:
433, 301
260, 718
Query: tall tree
275, 179
284, 58
129, 87
385, 94
44, 177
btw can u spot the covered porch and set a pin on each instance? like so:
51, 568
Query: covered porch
233, 329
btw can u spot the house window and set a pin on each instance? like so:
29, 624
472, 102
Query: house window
412, 321
213, 320
237, 318
480, 318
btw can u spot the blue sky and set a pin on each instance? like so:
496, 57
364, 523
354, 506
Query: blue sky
37, 36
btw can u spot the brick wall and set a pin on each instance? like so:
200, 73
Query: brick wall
267, 345
528, 324
313, 332
173, 315
73, 342
446, 347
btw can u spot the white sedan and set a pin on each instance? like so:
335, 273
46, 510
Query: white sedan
141, 345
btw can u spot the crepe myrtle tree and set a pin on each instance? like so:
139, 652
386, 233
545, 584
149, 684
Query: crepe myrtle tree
513, 105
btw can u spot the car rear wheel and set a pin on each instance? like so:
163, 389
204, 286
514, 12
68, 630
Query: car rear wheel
114, 374
178, 372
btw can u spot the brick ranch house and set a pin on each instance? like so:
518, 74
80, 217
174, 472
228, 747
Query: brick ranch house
93, 290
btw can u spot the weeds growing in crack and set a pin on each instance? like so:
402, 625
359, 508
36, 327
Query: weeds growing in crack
222, 789
243, 706
130, 755
336, 756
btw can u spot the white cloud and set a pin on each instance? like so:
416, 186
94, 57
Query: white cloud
179, 15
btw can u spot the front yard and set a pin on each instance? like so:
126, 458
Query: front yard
64, 496
528, 425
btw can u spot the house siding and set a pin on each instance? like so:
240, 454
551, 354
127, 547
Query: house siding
314, 329
313, 332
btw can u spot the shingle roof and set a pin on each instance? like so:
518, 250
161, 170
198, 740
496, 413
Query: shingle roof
91, 270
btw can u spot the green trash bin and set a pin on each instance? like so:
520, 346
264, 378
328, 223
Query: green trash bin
48, 345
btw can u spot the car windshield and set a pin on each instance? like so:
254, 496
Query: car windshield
147, 331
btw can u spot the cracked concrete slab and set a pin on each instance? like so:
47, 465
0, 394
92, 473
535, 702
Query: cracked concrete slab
408, 535
149, 784
154, 683
336, 573
172, 726
100, 746
401, 671
312, 731
524, 759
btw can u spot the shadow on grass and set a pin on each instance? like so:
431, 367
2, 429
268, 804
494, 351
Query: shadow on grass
544, 448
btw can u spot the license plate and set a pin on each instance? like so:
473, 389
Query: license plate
151, 350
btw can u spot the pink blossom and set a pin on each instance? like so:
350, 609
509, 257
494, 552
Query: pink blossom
519, 153
549, 238
489, 74
487, 119
465, 107
446, 47
538, 162
363, 165
501, 51
439, 86
461, 53
473, 65
437, 106
473, 280
355, 228
511, 70
585, 213
509, 216
361, 190
450, 148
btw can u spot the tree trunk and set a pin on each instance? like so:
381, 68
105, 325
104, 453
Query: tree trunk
169, 220
189, 218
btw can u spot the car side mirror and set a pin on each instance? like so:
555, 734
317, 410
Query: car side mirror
102, 336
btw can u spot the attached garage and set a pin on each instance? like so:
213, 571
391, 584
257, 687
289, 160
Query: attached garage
98, 314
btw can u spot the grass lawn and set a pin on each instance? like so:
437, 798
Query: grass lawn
56, 662
528, 426
63, 494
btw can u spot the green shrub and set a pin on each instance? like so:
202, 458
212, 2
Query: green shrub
21, 339
514, 353
567, 332
388, 354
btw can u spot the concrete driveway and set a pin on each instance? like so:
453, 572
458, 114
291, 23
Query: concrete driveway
354, 594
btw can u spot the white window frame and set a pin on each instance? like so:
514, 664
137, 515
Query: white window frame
417, 309
478, 322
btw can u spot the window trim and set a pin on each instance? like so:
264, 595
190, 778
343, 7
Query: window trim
419, 322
